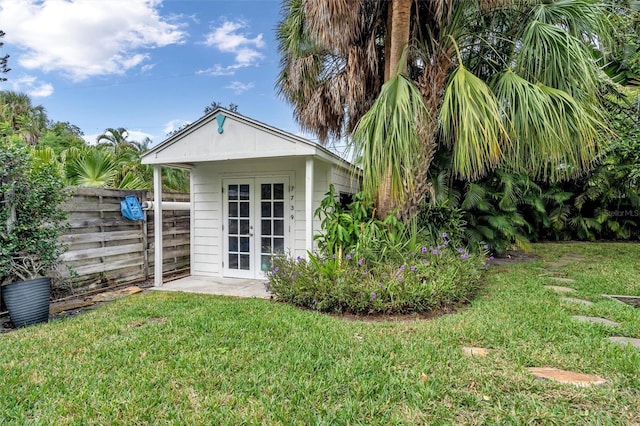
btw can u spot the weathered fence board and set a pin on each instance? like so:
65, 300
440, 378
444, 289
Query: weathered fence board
105, 249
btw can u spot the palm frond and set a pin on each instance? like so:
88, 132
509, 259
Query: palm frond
472, 124
553, 136
386, 142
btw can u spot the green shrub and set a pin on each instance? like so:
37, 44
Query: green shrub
421, 280
31, 218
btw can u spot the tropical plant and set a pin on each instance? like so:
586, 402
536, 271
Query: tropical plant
60, 136
512, 83
624, 65
23, 118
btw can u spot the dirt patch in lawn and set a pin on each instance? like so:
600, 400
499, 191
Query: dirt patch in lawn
514, 256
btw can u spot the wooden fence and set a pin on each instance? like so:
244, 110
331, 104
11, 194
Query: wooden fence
105, 249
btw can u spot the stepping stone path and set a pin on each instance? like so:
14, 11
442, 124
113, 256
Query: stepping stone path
472, 351
559, 288
626, 341
571, 377
568, 377
562, 280
574, 300
596, 320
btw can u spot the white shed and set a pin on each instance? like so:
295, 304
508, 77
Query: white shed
254, 189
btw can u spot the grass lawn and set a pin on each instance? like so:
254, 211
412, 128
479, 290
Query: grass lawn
167, 358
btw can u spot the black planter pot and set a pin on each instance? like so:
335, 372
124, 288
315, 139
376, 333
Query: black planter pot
27, 301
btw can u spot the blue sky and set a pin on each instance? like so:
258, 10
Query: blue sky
146, 65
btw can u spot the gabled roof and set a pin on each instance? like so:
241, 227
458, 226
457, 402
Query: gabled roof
240, 137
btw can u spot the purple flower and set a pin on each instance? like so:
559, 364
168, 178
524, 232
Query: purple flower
460, 250
380, 284
424, 249
314, 301
276, 269
402, 268
446, 242
413, 268
348, 257
298, 258
445, 235
486, 247
360, 262
491, 257
464, 256
373, 296
334, 256
425, 261
400, 279
435, 252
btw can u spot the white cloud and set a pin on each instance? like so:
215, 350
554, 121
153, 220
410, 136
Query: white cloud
84, 38
229, 38
239, 87
138, 136
174, 125
147, 67
32, 86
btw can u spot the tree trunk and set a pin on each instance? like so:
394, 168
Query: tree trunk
396, 41
400, 22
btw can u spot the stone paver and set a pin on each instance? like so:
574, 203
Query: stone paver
474, 351
626, 341
567, 377
574, 300
559, 288
562, 280
633, 301
596, 320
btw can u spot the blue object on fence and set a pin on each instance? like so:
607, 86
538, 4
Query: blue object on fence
131, 208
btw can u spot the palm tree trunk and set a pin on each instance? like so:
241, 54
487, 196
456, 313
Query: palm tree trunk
400, 22
396, 40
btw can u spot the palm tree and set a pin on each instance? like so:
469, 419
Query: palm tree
114, 139
495, 81
23, 119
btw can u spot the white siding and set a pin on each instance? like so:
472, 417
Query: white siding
344, 180
238, 141
206, 221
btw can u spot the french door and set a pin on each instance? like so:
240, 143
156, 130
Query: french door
255, 224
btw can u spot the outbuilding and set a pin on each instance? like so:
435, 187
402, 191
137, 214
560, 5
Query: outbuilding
254, 190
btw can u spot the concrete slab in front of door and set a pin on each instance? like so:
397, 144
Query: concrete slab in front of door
238, 287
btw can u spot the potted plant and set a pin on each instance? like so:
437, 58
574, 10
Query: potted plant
31, 223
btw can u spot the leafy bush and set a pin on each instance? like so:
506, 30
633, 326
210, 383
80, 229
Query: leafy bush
431, 278
368, 266
31, 220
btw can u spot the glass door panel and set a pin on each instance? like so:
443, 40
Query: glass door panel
239, 227
272, 219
